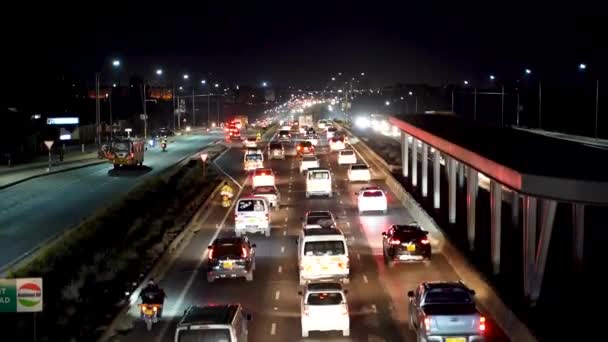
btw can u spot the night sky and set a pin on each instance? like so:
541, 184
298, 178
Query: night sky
302, 42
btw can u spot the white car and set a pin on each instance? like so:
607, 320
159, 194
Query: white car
336, 144
371, 198
269, 192
358, 173
324, 308
313, 139
331, 131
347, 157
263, 177
308, 162
318, 182
251, 142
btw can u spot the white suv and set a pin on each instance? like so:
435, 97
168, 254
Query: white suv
371, 198
347, 157
358, 173
324, 308
308, 162
323, 255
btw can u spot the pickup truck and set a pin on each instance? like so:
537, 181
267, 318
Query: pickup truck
445, 312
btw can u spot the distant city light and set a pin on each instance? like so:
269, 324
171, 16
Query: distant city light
339, 74
203, 81
388, 103
492, 77
217, 85
159, 72
362, 74
181, 88
402, 97
186, 76
113, 85
333, 78
466, 82
264, 84
412, 93
582, 66
116, 63
528, 71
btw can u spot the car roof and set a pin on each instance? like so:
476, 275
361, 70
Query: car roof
318, 169
210, 314
435, 285
319, 213
324, 287
228, 240
322, 231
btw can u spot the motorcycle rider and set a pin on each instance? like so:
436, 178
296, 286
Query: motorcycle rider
227, 193
153, 294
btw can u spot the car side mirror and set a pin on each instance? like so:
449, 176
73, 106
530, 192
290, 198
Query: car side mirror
410, 294
209, 247
249, 317
345, 291
472, 292
383, 233
254, 245
356, 194
299, 293
426, 232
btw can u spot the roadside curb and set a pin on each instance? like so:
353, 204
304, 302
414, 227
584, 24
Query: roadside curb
488, 299
8, 185
165, 261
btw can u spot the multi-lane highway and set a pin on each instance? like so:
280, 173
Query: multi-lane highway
34, 211
377, 295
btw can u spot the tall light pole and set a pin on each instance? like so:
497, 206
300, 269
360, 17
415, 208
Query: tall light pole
218, 103
116, 64
97, 108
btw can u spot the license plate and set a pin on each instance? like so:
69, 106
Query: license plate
227, 264
412, 248
455, 339
251, 220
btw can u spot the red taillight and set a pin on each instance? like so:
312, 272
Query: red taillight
482, 324
244, 253
299, 148
211, 254
424, 241
427, 324
394, 241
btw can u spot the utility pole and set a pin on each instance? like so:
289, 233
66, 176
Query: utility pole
173, 100
597, 103
97, 109
474, 104
540, 104
502, 105
209, 110
452, 100
145, 112
218, 109
193, 108
517, 110
111, 123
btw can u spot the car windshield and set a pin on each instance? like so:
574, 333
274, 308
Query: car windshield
121, 146
309, 159
448, 296
251, 205
324, 298
318, 175
204, 335
358, 167
253, 157
265, 190
227, 249
320, 248
372, 193
347, 153
275, 146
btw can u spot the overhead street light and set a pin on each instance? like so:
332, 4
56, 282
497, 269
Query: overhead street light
264, 84
159, 72
410, 93
116, 63
186, 76
362, 74
203, 81
333, 78
466, 82
528, 71
582, 66
217, 85
492, 77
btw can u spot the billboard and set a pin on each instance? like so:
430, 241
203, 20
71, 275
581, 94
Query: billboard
21, 295
63, 121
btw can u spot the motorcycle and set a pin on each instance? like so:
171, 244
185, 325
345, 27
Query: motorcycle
149, 314
163, 145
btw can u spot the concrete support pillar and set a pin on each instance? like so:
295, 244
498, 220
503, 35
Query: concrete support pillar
425, 169
452, 190
515, 209
578, 236
415, 162
529, 240
472, 187
405, 154
496, 226
461, 169
436, 182
546, 226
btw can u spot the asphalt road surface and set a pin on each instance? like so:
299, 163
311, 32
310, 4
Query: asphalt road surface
377, 296
36, 210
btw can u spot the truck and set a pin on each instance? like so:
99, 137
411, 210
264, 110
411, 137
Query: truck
305, 120
241, 121
445, 311
127, 152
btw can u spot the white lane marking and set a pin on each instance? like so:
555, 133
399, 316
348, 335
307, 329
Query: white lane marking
341, 202
277, 295
365, 279
280, 269
289, 189
282, 249
288, 199
348, 224
284, 233
286, 219
374, 309
344, 212
358, 256
182, 295
273, 329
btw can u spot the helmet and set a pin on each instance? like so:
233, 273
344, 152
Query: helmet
151, 282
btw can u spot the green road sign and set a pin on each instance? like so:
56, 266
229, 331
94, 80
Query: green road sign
21, 295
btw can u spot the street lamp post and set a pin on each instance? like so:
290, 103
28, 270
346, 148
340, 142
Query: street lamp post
597, 96
97, 108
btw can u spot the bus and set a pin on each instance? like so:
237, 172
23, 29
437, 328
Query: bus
127, 152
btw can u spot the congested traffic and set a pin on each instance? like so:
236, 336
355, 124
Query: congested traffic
323, 161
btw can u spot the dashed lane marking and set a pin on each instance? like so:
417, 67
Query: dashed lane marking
280, 269
277, 295
365, 278
273, 329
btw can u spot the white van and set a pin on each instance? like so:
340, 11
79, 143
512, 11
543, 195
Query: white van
252, 215
318, 182
322, 255
253, 161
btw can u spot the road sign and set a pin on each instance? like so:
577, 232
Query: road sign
204, 157
21, 295
49, 143
182, 105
